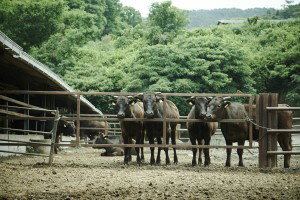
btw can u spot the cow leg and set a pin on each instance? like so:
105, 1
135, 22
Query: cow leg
285, 142
228, 150
206, 152
200, 142
126, 149
137, 149
193, 141
240, 153
129, 150
142, 148
151, 141
167, 151
159, 150
173, 137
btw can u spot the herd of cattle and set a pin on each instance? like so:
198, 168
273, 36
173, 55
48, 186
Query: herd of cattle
150, 105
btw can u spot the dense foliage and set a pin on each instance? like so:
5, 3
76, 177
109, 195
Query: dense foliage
102, 46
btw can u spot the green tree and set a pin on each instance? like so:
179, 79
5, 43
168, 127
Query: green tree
167, 17
131, 16
29, 23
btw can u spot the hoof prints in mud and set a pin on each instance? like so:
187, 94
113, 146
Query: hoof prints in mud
84, 174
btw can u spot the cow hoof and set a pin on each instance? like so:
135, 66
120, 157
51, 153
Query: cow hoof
152, 161
157, 161
241, 164
227, 165
168, 162
206, 164
194, 163
175, 161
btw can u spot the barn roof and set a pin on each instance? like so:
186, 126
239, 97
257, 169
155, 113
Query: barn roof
242, 21
18, 66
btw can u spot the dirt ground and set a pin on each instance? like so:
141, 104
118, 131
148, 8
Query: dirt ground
81, 173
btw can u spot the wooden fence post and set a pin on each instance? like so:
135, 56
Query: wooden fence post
263, 121
54, 130
78, 121
272, 137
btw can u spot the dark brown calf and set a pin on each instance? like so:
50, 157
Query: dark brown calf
153, 107
127, 108
220, 108
200, 130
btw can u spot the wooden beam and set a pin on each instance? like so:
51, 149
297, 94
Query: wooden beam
284, 152
17, 102
13, 113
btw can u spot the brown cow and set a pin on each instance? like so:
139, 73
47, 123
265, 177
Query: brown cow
92, 133
153, 107
221, 108
127, 108
285, 120
200, 130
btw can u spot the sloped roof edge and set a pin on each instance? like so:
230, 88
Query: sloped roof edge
20, 54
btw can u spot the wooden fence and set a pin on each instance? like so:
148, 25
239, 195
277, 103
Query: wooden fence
266, 117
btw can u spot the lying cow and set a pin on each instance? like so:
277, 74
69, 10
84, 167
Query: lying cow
200, 130
109, 151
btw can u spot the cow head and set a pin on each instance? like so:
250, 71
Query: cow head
216, 107
67, 127
101, 139
122, 103
200, 104
150, 102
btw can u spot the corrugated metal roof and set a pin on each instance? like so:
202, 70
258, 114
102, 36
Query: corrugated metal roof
40, 67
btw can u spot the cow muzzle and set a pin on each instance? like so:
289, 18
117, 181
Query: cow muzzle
149, 115
121, 115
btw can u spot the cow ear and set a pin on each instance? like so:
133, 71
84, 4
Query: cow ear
131, 100
112, 101
191, 100
159, 98
226, 104
138, 97
209, 98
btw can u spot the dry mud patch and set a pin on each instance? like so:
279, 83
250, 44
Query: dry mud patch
83, 174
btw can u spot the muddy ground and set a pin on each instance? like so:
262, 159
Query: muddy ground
83, 174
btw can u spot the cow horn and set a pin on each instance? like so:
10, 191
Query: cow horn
157, 92
226, 98
192, 97
116, 97
129, 96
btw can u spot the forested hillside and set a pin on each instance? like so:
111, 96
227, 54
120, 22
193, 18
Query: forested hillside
204, 18
102, 46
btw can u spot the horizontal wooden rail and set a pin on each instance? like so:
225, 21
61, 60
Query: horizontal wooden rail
283, 131
27, 131
115, 93
152, 120
284, 152
22, 144
26, 142
296, 118
28, 108
31, 154
157, 145
282, 108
